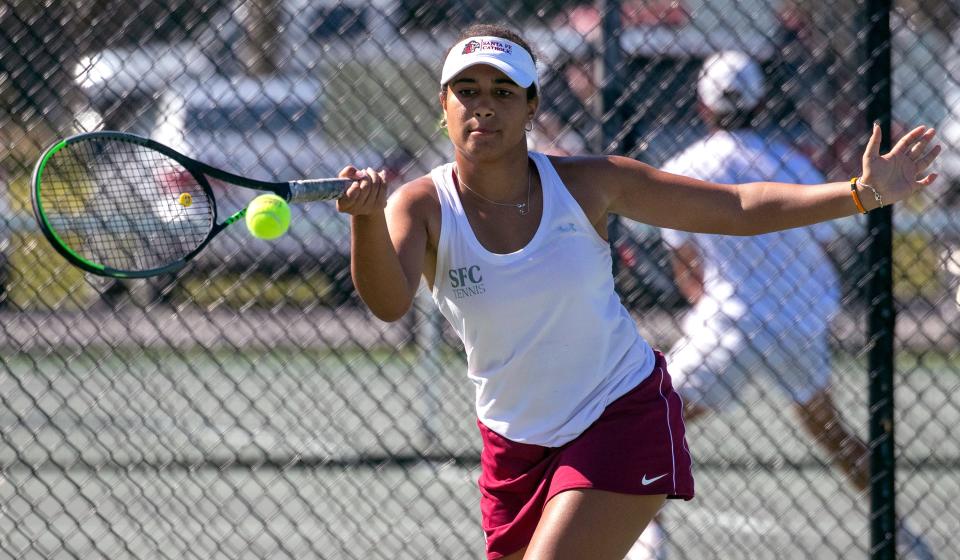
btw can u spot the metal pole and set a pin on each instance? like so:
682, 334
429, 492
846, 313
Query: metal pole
881, 319
611, 65
609, 75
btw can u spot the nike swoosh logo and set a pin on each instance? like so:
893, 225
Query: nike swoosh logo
646, 481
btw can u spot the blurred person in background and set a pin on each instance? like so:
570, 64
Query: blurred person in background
761, 305
949, 190
566, 119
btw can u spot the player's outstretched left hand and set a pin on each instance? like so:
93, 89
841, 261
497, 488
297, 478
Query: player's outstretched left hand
903, 170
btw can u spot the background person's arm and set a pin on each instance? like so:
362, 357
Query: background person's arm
688, 271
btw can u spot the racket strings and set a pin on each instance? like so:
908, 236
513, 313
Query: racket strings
121, 205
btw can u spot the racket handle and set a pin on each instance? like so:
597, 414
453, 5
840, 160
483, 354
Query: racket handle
310, 190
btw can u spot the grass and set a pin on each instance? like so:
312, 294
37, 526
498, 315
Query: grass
916, 266
257, 290
39, 278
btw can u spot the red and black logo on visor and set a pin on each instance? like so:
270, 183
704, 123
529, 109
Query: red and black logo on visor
471, 47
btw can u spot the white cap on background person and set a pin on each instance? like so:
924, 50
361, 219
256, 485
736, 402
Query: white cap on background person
729, 82
504, 55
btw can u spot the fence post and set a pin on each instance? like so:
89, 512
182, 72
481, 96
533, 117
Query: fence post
881, 318
609, 74
611, 67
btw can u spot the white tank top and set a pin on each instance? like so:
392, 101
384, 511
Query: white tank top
548, 343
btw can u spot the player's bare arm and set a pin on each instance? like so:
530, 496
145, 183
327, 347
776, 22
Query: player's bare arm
374, 261
388, 241
643, 193
413, 219
618, 185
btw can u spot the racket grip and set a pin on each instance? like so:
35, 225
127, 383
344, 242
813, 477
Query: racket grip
310, 190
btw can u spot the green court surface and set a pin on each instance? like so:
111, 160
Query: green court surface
344, 454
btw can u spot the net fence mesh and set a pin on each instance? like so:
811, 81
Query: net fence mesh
118, 204
249, 406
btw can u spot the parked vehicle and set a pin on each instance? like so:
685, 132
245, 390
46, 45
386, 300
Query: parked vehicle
122, 85
270, 128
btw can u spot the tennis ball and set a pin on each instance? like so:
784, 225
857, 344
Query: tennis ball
268, 216
186, 200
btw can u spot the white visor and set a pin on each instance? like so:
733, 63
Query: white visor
506, 56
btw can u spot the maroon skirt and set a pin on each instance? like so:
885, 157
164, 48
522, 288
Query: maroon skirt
637, 446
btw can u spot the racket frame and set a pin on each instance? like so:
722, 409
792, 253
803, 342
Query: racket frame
291, 191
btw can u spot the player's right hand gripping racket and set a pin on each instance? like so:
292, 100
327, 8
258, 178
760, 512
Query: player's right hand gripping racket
123, 206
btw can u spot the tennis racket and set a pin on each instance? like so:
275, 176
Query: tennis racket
124, 206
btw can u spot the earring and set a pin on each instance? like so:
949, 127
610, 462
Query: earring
443, 122
529, 126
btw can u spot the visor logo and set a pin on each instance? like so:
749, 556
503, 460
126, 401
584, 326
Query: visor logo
474, 46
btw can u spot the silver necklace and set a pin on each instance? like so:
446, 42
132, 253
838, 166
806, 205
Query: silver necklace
522, 207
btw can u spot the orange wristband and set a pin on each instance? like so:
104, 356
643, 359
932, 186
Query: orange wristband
856, 195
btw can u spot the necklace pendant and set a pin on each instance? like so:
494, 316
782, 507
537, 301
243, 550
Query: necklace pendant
523, 208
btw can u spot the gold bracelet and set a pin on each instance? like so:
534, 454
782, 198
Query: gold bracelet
856, 196
876, 193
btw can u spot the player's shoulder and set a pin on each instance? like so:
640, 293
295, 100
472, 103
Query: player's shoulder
587, 161
420, 186
589, 169
596, 181
418, 195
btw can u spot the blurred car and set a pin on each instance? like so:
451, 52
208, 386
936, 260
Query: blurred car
122, 84
269, 128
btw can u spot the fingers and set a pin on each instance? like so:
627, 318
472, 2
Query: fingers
908, 140
873, 145
924, 162
929, 179
366, 195
351, 199
382, 192
917, 149
359, 191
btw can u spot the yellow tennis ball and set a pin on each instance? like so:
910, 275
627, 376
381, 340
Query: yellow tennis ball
268, 216
186, 200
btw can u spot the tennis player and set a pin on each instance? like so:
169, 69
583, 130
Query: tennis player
583, 437
761, 305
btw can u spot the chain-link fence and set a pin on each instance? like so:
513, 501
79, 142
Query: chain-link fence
250, 407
